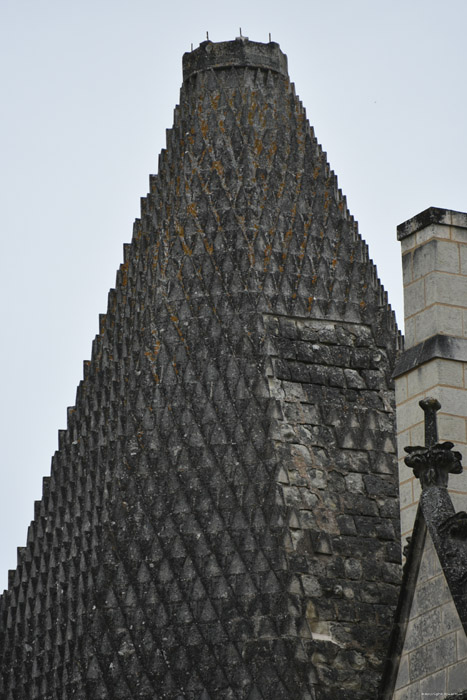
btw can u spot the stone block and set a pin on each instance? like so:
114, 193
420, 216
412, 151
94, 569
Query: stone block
417, 434
430, 594
433, 231
408, 243
458, 233
401, 389
421, 379
425, 324
406, 494
405, 472
403, 672
458, 482
438, 318
459, 501
423, 259
409, 338
450, 620
430, 565
434, 685
450, 372
432, 657
403, 439
441, 288
461, 645
407, 519
457, 675
426, 627
452, 428
447, 256
407, 273
463, 259
453, 401
417, 490
414, 297
410, 692
410, 413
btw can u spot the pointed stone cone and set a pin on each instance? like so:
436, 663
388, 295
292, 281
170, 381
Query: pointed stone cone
221, 519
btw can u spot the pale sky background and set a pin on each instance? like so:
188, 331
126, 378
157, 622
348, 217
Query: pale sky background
88, 88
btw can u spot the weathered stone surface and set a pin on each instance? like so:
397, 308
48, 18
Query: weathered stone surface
202, 534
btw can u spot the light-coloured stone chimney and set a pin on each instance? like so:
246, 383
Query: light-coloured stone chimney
434, 361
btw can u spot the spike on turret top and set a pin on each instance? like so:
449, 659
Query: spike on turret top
221, 519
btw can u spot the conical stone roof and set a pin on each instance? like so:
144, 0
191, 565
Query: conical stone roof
221, 519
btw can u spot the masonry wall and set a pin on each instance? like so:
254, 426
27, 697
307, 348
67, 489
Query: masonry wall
434, 658
434, 255
168, 557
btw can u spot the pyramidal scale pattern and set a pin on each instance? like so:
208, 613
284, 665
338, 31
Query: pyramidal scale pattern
221, 519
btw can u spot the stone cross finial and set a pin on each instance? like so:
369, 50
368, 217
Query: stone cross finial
430, 407
433, 462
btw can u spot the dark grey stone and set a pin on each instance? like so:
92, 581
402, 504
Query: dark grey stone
198, 522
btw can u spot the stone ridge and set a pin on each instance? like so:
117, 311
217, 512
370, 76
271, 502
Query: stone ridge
240, 53
221, 519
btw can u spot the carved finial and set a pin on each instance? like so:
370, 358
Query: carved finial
430, 406
433, 462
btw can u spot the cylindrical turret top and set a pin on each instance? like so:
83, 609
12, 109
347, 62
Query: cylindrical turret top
241, 52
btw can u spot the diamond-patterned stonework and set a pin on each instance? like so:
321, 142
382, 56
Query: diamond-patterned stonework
221, 520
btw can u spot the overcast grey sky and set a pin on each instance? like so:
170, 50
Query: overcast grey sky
88, 90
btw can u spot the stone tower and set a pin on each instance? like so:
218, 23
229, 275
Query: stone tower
221, 519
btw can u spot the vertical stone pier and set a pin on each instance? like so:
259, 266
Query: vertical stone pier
434, 361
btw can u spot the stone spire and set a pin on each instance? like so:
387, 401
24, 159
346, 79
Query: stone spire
221, 519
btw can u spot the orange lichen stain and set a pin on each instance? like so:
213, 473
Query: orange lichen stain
124, 270
174, 365
209, 247
258, 146
221, 126
294, 295
218, 167
316, 172
174, 319
281, 269
204, 128
362, 304
215, 101
267, 256
314, 279
192, 209
186, 249
310, 302
334, 262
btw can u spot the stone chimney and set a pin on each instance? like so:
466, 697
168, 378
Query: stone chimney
434, 258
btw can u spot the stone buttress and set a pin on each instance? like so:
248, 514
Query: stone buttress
221, 519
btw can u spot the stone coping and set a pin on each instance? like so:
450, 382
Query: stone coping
446, 347
240, 53
432, 215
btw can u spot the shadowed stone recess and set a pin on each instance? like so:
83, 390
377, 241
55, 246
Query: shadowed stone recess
221, 519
